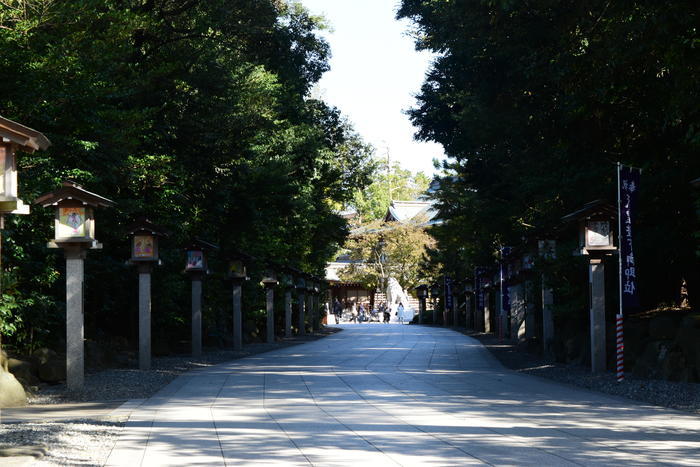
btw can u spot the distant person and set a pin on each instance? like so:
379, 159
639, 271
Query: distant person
362, 312
337, 309
353, 312
386, 313
399, 312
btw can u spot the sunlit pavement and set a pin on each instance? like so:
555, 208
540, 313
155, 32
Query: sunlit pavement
384, 394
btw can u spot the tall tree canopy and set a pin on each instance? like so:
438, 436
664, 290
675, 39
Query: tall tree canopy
195, 113
535, 101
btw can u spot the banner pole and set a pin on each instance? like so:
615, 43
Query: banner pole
619, 319
501, 312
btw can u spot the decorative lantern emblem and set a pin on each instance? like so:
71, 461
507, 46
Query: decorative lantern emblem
74, 221
196, 258
144, 241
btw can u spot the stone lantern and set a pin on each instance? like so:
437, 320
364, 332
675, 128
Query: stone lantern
301, 298
316, 303
595, 230
237, 273
74, 232
196, 268
269, 281
468, 290
13, 137
422, 294
287, 283
434, 295
144, 254
309, 281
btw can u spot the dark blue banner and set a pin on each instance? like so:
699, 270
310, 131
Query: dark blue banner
479, 280
506, 252
629, 186
448, 293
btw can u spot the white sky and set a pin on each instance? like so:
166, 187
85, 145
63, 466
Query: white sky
375, 72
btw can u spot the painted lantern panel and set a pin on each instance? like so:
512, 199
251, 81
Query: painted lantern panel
71, 222
144, 246
195, 260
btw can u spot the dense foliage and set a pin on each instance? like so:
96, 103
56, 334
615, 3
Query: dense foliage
389, 183
384, 250
535, 101
195, 113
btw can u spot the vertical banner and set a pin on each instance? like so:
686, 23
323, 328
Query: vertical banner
479, 289
448, 294
480, 306
629, 185
504, 274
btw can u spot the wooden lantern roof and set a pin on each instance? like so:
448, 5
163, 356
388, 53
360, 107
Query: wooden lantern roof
199, 244
594, 208
27, 139
72, 191
142, 224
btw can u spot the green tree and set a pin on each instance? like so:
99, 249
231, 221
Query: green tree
195, 113
535, 101
388, 250
387, 185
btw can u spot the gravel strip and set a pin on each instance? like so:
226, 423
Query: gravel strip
89, 441
675, 395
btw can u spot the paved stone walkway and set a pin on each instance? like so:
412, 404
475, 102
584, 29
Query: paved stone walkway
378, 394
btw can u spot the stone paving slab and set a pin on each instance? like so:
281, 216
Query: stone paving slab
380, 394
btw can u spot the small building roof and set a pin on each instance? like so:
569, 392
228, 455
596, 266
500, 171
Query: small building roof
593, 208
26, 138
71, 190
407, 211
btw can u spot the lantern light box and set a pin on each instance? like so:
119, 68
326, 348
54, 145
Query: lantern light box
196, 258
145, 238
596, 220
74, 220
14, 136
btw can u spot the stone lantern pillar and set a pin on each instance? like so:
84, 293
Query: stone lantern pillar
434, 295
237, 274
310, 300
287, 283
595, 229
301, 298
468, 292
455, 302
74, 226
196, 268
422, 294
316, 305
144, 254
269, 281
